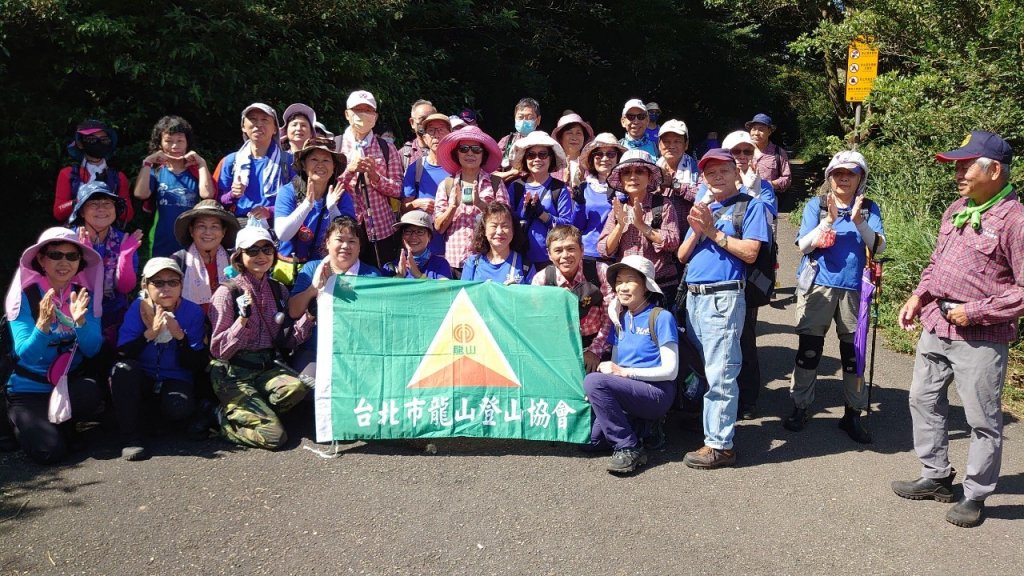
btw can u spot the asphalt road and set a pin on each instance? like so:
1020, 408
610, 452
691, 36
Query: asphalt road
812, 502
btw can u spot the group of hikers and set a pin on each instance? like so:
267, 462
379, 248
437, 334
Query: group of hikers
670, 256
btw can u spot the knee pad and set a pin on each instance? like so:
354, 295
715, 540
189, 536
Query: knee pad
808, 354
848, 354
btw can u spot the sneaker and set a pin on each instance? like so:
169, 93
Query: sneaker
627, 460
940, 489
966, 513
708, 458
134, 453
796, 420
748, 413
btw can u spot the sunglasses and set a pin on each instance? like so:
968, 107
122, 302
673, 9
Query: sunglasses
743, 152
57, 256
637, 116
165, 283
613, 154
467, 148
256, 250
543, 155
93, 139
631, 171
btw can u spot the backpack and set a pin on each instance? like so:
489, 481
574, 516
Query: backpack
278, 290
588, 292
651, 323
516, 195
760, 275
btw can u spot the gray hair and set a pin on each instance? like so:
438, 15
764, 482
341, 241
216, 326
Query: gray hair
417, 104
528, 103
984, 163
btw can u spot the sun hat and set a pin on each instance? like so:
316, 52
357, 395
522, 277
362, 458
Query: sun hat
980, 144
634, 103
536, 138
265, 108
88, 128
320, 126
642, 158
635, 262
760, 118
457, 122
566, 122
208, 207
155, 265
360, 97
91, 278
468, 134
674, 127
415, 218
715, 154
651, 106
297, 108
853, 161
736, 138
252, 235
436, 117
86, 192
602, 140
328, 145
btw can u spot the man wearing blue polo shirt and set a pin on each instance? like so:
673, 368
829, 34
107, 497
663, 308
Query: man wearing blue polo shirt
716, 257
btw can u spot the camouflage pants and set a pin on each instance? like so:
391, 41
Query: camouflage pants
249, 396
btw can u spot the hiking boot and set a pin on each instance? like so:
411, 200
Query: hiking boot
796, 420
134, 453
626, 460
708, 458
853, 425
966, 513
654, 438
203, 421
938, 489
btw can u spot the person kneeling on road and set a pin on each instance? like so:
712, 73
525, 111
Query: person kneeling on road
639, 381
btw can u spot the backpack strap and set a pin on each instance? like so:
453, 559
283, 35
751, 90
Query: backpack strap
739, 211
34, 295
657, 208
385, 151
495, 184
549, 276
590, 272
652, 320
518, 192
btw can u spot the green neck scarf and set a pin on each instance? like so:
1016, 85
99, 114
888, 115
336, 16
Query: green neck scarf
973, 212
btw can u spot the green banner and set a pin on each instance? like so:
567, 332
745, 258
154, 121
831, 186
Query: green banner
400, 358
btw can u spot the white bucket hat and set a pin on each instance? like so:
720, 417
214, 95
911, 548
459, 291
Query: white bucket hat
537, 138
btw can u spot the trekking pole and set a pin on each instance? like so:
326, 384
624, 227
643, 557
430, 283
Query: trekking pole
876, 273
371, 233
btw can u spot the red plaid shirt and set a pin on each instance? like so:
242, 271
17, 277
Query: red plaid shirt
459, 236
389, 185
596, 321
229, 337
773, 166
663, 255
983, 268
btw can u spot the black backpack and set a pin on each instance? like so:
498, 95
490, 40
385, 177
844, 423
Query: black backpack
588, 292
760, 275
8, 357
651, 323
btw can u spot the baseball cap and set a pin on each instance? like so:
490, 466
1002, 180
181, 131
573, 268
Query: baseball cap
360, 97
416, 218
652, 106
468, 115
979, 144
760, 119
265, 108
736, 138
634, 103
251, 235
674, 127
155, 265
715, 154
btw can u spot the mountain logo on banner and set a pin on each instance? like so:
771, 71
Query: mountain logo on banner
463, 353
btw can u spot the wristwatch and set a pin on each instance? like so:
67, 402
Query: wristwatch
724, 241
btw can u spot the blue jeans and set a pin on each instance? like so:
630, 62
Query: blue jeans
714, 323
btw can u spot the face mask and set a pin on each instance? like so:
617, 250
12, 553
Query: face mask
364, 121
654, 116
524, 127
97, 149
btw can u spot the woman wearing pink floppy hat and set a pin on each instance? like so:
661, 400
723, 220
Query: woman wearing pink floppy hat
54, 319
573, 133
470, 156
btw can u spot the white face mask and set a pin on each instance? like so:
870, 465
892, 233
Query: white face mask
362, 121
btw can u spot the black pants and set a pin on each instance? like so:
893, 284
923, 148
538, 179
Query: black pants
749, 379
388, 249
136, 403
42, 440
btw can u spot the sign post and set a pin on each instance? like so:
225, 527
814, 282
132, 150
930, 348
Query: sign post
861, 71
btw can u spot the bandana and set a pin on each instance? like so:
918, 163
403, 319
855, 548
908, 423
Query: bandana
973, 212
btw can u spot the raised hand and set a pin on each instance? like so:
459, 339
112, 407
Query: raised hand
855, 214
79, 306
47, 311
833, 208
334, 193
194, 159
618, 210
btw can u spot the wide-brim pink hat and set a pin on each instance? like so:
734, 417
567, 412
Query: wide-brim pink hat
602, 140
565, 122
91, 278
469, 134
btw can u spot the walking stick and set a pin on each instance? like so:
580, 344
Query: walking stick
876, 279
371, 232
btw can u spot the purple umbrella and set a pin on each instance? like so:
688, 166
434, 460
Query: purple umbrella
860, 337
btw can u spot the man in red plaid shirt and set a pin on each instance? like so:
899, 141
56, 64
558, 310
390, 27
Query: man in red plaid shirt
969, 300
565, 249
370, 177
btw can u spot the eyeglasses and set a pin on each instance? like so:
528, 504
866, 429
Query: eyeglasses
467, 148
174, 283
636, 117
57, 256
613, 154
743, 152
256, 250
435, 131
631, 171
414, 231
100, 203
543, 155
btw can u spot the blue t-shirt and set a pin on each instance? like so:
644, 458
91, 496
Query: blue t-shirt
174, 194
559, 208
479, 268
303, 244
429, 181
253, 195
634, 347
590, 218
434, 268
160, 361
839, 266
710, 263
305, 279
645, 143
767, 195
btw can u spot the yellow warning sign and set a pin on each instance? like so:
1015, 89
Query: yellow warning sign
463, 353
861, 69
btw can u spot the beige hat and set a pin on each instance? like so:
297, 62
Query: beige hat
155, 265
674, 127
602, 140
415, 218
641, 265
537, 138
